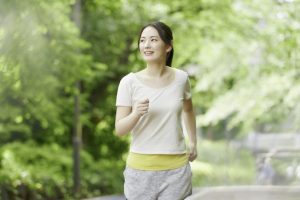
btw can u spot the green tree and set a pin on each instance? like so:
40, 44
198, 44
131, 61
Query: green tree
39, 51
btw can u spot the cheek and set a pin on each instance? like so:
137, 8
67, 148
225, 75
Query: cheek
160, 47
141, 48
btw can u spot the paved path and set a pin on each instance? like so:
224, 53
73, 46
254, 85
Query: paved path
121, 197
111, 197
248, 193
235, 193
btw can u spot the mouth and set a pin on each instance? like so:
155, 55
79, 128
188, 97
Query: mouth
148, 53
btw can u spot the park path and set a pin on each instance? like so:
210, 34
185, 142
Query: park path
254, 192
122, 197
111, 197
235, 193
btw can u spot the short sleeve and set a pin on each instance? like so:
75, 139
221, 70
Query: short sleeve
124, 93
187, 89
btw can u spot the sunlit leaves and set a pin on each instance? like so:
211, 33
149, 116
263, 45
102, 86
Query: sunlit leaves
40, 56
258, 56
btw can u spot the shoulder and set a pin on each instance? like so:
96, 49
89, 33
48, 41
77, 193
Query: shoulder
181, 74
126, 82
127, 79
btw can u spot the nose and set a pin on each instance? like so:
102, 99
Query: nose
147, 44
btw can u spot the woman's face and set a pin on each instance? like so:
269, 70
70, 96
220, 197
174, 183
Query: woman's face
151, 46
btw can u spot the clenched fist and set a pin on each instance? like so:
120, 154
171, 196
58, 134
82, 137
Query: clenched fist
141, 107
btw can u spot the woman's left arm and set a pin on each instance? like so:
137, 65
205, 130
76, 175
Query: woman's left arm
190, 124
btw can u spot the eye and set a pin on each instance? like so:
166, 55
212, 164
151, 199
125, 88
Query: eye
142, 40
153, 40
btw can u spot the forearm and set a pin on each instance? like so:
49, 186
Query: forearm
190, 124
125, 125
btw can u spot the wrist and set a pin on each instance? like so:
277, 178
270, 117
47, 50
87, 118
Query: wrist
136, 115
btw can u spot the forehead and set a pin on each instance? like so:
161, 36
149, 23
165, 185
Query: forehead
149, 31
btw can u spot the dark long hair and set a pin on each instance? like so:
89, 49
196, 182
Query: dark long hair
166, 35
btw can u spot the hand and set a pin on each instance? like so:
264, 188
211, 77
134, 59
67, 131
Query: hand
192, 152
141, 107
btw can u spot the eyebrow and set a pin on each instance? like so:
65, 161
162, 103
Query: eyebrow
150, 37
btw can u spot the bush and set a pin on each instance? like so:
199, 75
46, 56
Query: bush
30, 171
218, 164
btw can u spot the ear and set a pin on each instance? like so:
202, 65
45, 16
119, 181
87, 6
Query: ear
169, 48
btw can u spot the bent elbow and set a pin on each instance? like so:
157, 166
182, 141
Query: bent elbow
118, 132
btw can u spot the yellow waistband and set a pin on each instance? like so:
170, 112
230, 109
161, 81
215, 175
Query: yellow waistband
156, 161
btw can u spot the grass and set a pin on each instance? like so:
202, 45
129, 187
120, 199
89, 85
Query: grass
219, 164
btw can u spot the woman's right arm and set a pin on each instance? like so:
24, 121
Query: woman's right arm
127, 118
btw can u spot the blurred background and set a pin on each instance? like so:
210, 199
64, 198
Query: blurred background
61, 62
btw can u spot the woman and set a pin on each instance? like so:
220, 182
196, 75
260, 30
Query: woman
150, 104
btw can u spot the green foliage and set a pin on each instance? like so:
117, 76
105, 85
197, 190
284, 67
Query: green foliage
220, 164
243, 56
286, 168
31, 171
42, 61
254, 73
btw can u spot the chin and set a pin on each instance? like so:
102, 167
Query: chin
150, 59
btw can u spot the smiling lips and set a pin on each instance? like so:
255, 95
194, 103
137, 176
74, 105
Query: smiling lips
148, 53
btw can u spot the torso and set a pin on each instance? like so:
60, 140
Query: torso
160, 130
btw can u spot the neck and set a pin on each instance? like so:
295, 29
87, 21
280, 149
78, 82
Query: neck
155, 69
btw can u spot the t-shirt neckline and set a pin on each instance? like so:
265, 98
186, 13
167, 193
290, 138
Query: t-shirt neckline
159, 88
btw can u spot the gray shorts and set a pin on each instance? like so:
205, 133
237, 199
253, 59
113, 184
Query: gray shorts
172, 184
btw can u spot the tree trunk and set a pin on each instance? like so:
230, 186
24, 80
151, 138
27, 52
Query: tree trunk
77, 112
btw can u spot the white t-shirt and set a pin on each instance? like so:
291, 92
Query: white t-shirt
160, 130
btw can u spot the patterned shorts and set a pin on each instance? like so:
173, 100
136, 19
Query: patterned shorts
172, 184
